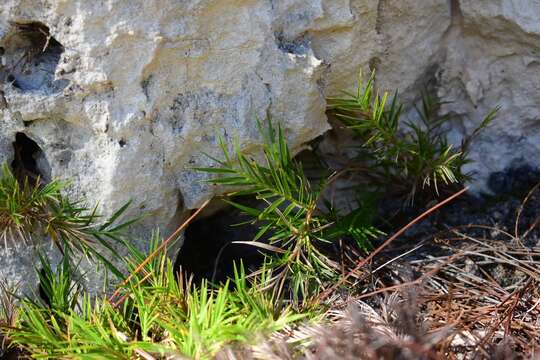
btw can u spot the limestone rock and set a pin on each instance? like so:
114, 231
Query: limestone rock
124, 97
492, 60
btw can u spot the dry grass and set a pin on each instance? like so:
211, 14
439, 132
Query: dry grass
478, 299
8, 314
475, 294
490, 293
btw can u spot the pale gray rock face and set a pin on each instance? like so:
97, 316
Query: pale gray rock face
124, 97
493, 60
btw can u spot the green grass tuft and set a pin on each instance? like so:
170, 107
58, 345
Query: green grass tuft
160, 314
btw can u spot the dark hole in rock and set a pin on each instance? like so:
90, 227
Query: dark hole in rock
122, 142
516, 180
30, 58
41, 291
297, 46
208, 251
28, 161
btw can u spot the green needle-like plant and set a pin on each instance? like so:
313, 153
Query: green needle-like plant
160, 315
59, 290
297, 229
8, 313
287, 212
159, 312
33, 211
411, 157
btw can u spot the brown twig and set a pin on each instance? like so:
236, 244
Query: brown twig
364, 261
518, 293
417, 281
522, 207
163, 245
144, 354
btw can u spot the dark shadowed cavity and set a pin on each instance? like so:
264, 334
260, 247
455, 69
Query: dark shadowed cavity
28, 159
208, 251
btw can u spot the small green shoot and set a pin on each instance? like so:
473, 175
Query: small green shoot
289, 214
408, 157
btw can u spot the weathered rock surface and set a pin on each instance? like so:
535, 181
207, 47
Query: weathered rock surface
124, 97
